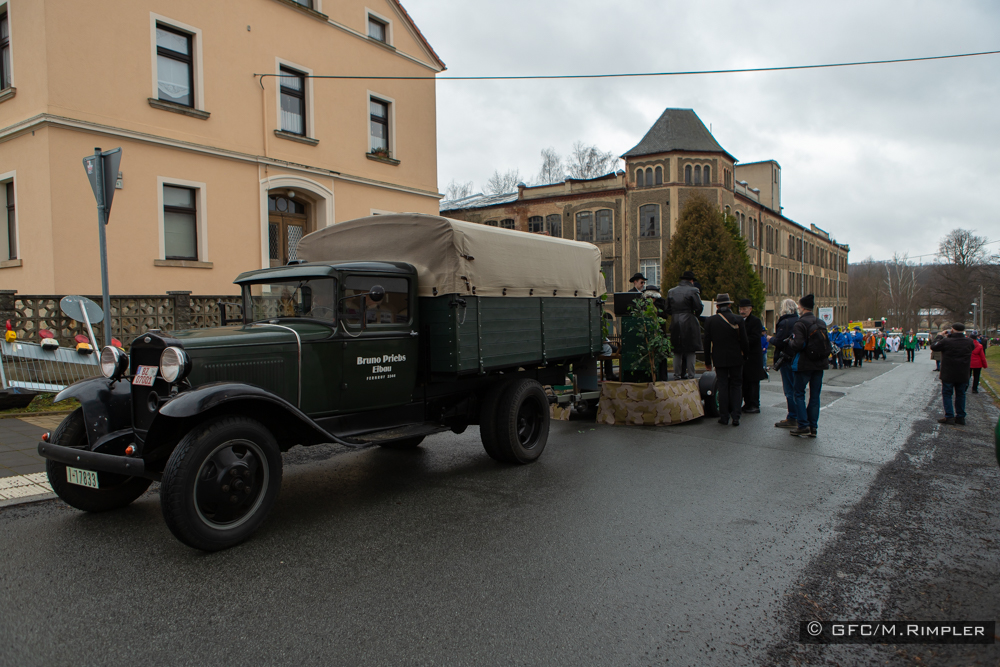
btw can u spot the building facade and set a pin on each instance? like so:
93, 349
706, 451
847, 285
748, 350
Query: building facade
223, 170
629, 215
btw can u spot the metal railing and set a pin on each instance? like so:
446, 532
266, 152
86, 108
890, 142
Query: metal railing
27, 365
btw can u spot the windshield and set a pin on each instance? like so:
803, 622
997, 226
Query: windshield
315, 298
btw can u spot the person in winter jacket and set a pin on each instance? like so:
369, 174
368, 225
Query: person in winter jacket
807, 371
726, 346
910, 343
977, 363
859, 346
684, 306
956, 359
845, 342
779, 341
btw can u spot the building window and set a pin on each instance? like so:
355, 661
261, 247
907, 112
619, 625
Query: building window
697, 175
687, 175
659, 176
536, 224
742, 217
174, 66
584, 226
640, 179
379, 125
492, 223
649, 221
651, 269
707, 175
293, 101
507, 223
649, 176
4, 52
605, 225
554, 225
608, 269
180, 223
304, 3
8, 231
378, 30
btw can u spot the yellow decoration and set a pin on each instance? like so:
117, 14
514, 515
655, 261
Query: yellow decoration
10, 336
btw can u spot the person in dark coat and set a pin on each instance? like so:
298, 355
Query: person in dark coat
753, 371
956, 361
779, 341
806, 371
638, 282
684, 306
726, 346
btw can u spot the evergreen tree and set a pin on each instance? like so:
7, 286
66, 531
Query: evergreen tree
710, 246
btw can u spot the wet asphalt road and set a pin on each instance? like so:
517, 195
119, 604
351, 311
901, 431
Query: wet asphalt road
621, 545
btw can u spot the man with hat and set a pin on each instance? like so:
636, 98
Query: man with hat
956, 361
807, 370
753, 370
684, 306
726, 345
858, 346
638, 282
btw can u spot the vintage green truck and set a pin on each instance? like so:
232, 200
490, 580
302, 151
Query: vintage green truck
391, 328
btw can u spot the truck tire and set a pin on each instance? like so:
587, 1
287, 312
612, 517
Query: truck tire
521, 428
220, 483
114, 490
708, 388
488, 417
405, 443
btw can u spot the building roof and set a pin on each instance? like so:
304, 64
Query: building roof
420, 35
677, 130
478, 200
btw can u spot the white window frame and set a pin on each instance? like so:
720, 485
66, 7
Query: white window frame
5, 7
197, 68
384, 19
11, 176
310, 116
201, 214
393, 147
651, 281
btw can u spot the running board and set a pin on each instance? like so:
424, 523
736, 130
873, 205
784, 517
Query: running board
399, 433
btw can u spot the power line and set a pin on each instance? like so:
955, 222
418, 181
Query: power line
638, 74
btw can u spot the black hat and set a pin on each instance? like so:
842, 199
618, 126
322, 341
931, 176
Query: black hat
807, 302
958, 326
722, 299
687, 275
637, 276
746, 302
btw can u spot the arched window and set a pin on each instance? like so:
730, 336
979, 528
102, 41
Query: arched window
535, 224
649, 221
584, 226
707, 175
743, 224
640, 180
727, 211
649, 175
553, 224
687, 175
492, 223
605, 225
697, 175
508, 223
659, 176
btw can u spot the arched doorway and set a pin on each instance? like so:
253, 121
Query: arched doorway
289, 218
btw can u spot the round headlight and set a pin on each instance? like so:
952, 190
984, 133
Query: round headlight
174, 364
114, 362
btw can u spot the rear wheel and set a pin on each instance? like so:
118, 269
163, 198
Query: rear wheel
488, 417
113, 490
521, 426
220, 483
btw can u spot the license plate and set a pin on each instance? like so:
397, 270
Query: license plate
145, 375
81, 477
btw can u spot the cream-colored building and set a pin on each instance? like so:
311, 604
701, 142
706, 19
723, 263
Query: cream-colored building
222, 169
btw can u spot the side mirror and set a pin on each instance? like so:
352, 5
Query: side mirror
376, 293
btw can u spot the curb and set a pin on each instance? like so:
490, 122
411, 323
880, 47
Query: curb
27, 500
19, 415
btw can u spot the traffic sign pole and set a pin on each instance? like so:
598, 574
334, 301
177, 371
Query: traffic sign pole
102, 221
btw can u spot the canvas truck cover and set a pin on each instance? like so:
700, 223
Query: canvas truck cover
456, 257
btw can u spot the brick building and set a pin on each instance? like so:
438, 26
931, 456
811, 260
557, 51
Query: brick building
629, 214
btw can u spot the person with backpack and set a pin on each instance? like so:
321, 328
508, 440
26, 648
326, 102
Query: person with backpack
779, 341
810, 346
956, 362
726, 345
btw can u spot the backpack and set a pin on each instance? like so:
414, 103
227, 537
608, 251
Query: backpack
818, 345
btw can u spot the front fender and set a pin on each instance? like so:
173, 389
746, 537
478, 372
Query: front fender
107, 406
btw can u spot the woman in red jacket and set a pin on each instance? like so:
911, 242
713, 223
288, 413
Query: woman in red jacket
978, 363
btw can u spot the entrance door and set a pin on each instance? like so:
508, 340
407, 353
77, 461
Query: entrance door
287, 223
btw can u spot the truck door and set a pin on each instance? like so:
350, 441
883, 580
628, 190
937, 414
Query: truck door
380, 358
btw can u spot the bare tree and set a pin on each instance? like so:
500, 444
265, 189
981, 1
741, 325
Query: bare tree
552, 170
503, 182
456, 190
963, 266
867, 290
902, 293
590, 162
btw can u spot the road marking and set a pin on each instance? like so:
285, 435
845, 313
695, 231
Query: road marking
21, 486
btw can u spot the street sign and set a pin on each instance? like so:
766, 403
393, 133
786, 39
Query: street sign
109, 171
82, 309
826, 314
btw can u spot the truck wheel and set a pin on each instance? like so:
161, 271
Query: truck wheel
220, 483
114, 490
488, 418
405, 443
708, 388
522, 422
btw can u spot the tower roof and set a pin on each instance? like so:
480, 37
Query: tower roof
677, 130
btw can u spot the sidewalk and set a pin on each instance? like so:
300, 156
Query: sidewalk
22, 470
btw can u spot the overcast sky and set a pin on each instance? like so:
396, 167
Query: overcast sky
887, 157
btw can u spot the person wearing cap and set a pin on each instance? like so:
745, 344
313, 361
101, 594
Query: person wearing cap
807, 371
684, 306
638, 282
753, 369
978, 360
726, 346
910, 342
858, 346
956, 361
